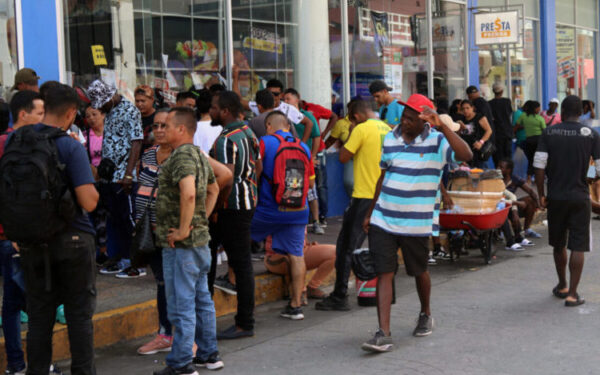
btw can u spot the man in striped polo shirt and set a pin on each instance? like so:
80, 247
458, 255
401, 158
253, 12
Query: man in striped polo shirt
402, 212
238, 149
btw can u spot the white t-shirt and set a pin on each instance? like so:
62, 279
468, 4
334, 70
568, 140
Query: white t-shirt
293, 114
206, 135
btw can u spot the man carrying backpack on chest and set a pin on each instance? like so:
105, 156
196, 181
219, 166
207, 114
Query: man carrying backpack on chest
282, 210
47, 183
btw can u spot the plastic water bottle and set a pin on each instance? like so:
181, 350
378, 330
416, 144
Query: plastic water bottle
501, 205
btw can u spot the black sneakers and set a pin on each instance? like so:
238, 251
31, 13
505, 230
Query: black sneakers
185, 370
331, 303
424, 326
293, 313
213, 362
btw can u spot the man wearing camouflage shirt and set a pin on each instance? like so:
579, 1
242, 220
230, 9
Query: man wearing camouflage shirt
187, 193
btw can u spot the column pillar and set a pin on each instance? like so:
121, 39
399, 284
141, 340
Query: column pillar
548, 49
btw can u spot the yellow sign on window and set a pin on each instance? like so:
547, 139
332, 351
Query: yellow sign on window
98, 55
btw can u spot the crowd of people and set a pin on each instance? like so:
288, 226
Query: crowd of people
187, 177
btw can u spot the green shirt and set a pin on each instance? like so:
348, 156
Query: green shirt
186, 160
533, 125
315, 131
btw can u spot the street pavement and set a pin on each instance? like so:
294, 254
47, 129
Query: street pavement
497, 319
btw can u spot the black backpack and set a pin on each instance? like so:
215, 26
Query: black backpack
35, 200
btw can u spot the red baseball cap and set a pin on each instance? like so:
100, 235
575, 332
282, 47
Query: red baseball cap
417, 102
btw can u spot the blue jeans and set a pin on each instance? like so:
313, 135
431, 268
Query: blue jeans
13, 301
189, 304
321, 180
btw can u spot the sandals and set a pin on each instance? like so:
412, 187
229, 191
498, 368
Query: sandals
577, 302
558, 294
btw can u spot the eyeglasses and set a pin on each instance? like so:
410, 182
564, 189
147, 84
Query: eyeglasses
159, 125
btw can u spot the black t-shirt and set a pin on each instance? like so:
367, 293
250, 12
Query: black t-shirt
567, 148
484, 108
473, 131
147, 128
502, 112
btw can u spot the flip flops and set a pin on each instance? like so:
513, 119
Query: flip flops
577, 302
558, 294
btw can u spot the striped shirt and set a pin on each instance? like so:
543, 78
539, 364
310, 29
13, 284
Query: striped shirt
147, 178
410, 197
237, 145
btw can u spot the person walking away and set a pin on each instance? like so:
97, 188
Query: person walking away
284, 219
534, 125
121, 148
364, 145
563, 154
187, 193
476, 131
56, 245
551, 115
412, 162
390, 111
237, 148
144, 102
502, 113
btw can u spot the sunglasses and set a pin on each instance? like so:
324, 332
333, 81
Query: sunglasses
159, 125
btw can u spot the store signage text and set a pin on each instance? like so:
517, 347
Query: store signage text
496, 28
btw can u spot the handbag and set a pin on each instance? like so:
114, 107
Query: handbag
143, 238
363, 265
107, 167
487, 150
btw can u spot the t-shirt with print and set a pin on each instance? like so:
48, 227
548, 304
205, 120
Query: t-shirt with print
186, 160
238, 145
94, 145
267, 210
365, 143
515, 183
292, 113
341, 129
122, 126
391, 113
314, 132
408, 204
564, 151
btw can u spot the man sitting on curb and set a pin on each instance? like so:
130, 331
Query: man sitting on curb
287, 226
403, 209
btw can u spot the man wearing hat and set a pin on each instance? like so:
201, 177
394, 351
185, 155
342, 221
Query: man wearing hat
551, 115
121, 147
502, 112
25, 79
390, 111
402, 213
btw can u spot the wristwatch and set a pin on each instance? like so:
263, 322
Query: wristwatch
128, 177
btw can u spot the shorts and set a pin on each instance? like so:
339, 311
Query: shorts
569, 220
312, 193
288, 239
383, 247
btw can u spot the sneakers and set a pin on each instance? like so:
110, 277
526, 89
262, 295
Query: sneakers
514, 247
233, 333
131, 273
441, 254
331, 303
113, 266
213, 362
317, 228
424, 326
380, 343
10, 371
431, 261
160, 343
526, 242
101, 258
293, 313
187, 370
532, 234
222, 283
323, 222
55, 370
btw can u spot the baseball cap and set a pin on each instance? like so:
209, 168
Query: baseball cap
100, 93
472, 90
144, 90
555, 100
447, 120
416, 102
377, 86
497, 88
26, 75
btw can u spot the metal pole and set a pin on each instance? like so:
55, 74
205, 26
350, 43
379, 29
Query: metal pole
229, 43
345, 54
430, 61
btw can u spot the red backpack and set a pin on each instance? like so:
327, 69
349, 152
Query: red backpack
291, 173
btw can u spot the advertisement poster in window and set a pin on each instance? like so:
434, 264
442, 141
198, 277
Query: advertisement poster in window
565, 52
380, 31
392, 69
445, 32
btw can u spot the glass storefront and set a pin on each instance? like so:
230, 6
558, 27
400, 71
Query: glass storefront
8, 45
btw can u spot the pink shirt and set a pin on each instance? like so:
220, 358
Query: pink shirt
553, 119
95, 148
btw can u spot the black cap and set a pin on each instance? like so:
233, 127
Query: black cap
377, 86
472, 90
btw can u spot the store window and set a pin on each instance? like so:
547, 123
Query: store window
524, 73
392, 51
565, 59
586, 68
8, 46
565, 11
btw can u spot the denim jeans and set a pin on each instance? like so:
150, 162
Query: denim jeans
13, 301
119, 223
72, 266
321, 180
189, 304
156, 264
